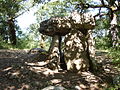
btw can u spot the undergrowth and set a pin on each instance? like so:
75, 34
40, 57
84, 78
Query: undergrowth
115, 56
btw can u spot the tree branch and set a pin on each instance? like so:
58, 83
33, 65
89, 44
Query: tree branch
103, 3
99, 6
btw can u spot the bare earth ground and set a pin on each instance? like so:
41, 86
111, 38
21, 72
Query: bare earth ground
20, 71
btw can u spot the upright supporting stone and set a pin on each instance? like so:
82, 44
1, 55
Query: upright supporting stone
75, 51
54, 53
91, 45
55, 27
79, 48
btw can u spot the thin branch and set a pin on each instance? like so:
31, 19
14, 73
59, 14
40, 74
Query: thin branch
99, 6
100, 15
28, 9
2, 21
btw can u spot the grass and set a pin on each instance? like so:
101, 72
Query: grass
115, 56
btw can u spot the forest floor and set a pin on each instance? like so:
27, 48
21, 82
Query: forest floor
20, 71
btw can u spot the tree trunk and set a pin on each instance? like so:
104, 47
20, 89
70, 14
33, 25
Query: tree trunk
77, 51
12, 33
114, 32
114, 37
54, 54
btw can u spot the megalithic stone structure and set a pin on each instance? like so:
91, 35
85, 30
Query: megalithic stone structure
55, 27
79, 44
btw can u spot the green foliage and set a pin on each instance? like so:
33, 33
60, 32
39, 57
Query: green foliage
102, 23
113, 88
57, 8
8, 11
48, 8
101, 42
115, 56
4, 45
51, 9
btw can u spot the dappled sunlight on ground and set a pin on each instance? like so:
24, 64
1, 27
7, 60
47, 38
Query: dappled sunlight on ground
24, 74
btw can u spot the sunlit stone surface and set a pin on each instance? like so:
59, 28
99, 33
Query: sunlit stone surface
79, 44
55, 26
75, 51
82, 21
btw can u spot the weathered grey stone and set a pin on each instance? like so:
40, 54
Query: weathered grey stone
54, 55
79, 45
55, 26
76, 51
36, 50
84, 21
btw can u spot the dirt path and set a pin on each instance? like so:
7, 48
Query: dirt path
19, 72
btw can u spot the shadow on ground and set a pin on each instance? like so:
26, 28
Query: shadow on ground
19, 71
